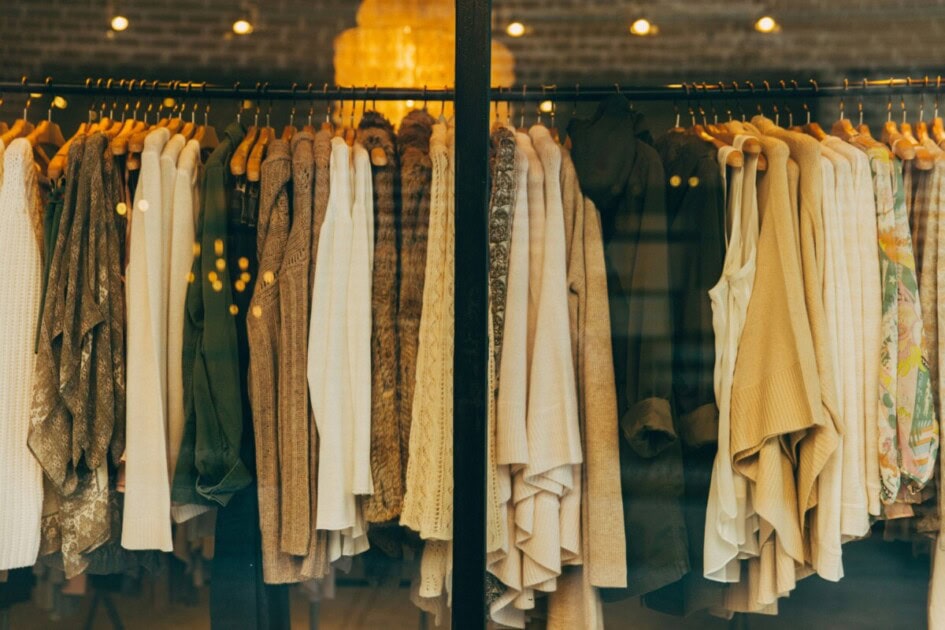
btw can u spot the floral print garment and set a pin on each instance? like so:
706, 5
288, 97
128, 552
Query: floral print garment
908, 432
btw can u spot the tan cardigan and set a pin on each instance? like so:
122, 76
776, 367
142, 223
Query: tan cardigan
819, 445
262, 327
776, 390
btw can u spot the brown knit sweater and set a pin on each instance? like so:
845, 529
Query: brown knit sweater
413, 147
294, 436
386, 465
262, 327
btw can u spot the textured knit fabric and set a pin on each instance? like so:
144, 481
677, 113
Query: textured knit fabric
210, 466
623, 176
776, 389
376, 132
504, 559
863, 266
147, 522
413, 148
294, 291
263, 326
21, 493
330, 365
551, 480
428, 503
817, 447
181, 258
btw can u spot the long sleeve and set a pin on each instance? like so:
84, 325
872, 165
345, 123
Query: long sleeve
147, 521
21, 493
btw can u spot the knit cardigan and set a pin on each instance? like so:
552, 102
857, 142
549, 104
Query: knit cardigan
776, 389
21, 493
413, 148
376, 132
293, 426
263, 327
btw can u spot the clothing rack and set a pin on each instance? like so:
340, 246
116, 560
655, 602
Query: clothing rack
199, 91
473, 98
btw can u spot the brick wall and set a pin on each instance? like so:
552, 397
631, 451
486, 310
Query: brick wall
569, 40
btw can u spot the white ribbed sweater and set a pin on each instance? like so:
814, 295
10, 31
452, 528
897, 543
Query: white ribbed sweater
21, 489
147, 522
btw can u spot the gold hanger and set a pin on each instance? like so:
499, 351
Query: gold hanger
900, 147
327, 125
47, 132
258, 154
309, 126
924, 160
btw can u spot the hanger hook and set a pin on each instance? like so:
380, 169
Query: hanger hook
577, 94
522, 113
327, 104
424, 97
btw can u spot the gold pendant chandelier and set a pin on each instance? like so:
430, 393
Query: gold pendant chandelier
406, 43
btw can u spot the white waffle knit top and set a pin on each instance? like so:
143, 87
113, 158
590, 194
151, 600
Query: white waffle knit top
21, 489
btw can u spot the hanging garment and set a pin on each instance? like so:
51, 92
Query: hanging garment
820, 442
330, 364
622, 174
79, 391
413, 148
504, 558
375, 132
731, 528
147, 495
908, 431
181, 257
860, 233
263, 326
293, 292
316, 565
428, 501
825, 536
782, 364
21, 493
210, 468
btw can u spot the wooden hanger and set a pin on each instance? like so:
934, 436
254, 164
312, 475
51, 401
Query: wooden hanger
751, 146
47, 132
20, 128
924, 159
241, 154
258, 154
206, 134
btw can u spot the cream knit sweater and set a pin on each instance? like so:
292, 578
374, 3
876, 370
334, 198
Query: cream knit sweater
21, 492
330, 369
180, 250
147, 521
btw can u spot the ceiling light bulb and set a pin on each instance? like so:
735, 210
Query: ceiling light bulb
641, 27
515, 29
767, 24
119, 23
242, 27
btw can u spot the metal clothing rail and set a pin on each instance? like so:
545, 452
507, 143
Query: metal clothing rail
126, 88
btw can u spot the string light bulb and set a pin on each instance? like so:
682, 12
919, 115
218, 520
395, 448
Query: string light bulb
642, 27
515, 29
242, 27
767, 24
119, 23
546, 107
